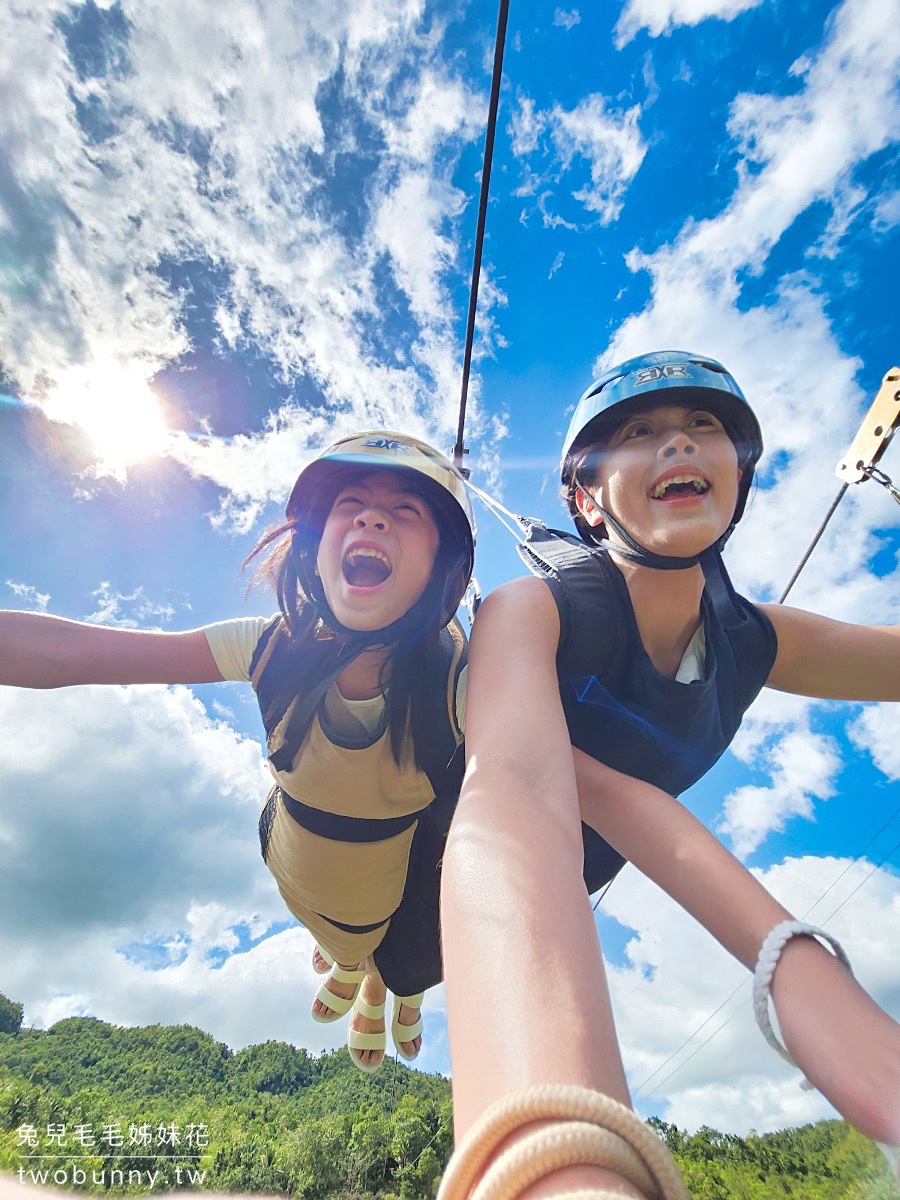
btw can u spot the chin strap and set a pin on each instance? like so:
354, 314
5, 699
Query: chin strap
634, 552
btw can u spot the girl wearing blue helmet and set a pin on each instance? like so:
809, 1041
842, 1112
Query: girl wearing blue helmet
360, 683
642, 656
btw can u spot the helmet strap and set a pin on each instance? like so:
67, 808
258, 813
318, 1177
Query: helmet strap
636, 553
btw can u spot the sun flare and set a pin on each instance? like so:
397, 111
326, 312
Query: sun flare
115, 406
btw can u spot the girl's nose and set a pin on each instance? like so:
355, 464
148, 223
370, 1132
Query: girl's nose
371, 518
679, 442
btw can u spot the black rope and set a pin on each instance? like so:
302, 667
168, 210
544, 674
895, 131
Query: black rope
812, 545
502, 15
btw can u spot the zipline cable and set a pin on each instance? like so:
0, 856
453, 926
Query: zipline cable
812, 545
459, 449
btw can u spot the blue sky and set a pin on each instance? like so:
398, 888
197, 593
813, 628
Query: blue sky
232, 234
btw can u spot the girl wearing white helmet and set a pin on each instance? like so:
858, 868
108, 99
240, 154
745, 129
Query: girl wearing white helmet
642, 656
360, 682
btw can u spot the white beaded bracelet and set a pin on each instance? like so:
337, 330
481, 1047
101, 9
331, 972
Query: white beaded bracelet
765, 969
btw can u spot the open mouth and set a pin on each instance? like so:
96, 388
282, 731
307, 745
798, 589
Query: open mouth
680, 485
364, 566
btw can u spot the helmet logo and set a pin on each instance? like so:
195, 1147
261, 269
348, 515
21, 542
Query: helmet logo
653, 374
389, 444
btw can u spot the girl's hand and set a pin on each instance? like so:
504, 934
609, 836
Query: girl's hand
845, 1045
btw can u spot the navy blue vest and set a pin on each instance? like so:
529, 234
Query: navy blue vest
618, 707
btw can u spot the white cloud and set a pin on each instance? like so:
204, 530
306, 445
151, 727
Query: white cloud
802, 766
526, 126
124, 812
662, 16
875, 732
110, 605
231, 159
721, 1072
611, 144
160, 799
568, 20
593, 133
25, 593
887, 211
131, 883
804, 145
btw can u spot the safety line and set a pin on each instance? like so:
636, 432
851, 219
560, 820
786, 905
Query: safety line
502, 15
495, 508
812, 545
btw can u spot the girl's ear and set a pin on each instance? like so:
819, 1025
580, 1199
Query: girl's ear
587, 508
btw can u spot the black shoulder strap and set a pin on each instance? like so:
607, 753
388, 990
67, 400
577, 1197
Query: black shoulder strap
275, 672
442, 757
575, 574
546, 552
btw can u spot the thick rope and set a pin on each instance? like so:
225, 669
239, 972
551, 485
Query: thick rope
502, 16
589, 1129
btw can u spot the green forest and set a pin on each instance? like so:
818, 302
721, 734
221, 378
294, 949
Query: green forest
98, 1108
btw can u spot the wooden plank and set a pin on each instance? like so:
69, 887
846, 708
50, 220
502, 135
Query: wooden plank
875, 432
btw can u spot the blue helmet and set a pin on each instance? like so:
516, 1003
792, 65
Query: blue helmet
665, 377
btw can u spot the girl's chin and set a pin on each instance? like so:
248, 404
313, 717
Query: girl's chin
362, 616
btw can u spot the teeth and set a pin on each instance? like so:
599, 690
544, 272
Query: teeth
368, 552
699, 483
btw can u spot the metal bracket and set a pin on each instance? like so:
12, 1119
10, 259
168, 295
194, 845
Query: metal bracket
875, 432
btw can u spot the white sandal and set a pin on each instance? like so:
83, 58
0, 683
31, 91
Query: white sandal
367, 1041
406, 1033
339, 1005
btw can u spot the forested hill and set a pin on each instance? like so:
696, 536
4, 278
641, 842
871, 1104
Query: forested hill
101, 1108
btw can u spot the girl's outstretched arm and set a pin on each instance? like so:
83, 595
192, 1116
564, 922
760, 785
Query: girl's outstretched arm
841, 1040
40, 651
527, 1001
833, 659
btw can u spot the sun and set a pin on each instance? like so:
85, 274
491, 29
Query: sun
115, 406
